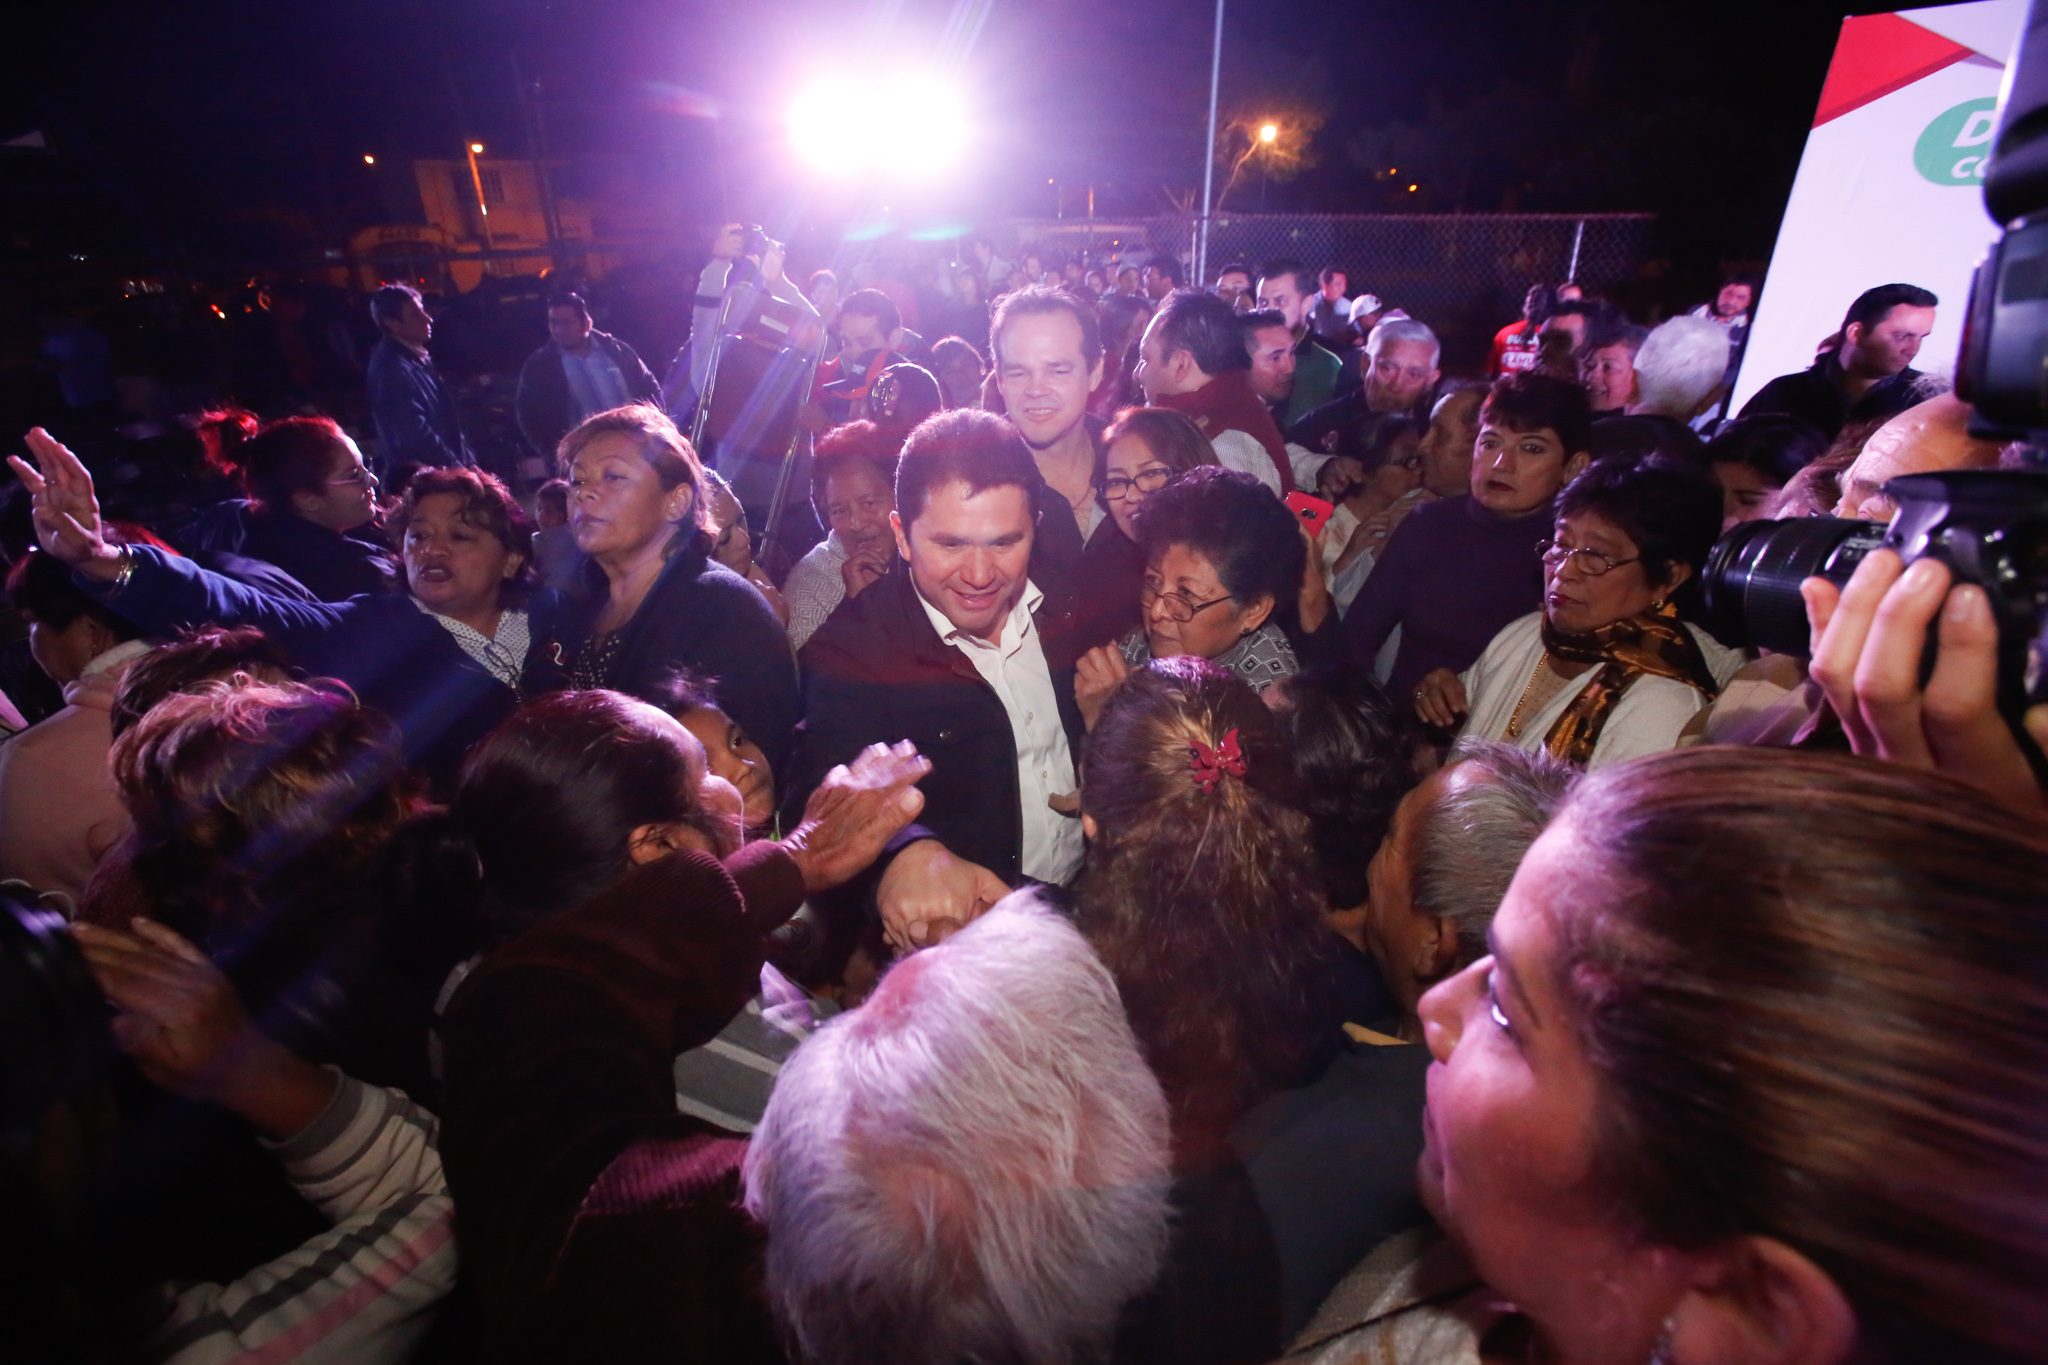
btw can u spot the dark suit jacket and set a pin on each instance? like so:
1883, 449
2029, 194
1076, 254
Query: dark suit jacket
875, 673
544, 406
413, 410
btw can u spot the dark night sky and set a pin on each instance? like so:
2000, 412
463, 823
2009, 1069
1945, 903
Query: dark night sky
215, 113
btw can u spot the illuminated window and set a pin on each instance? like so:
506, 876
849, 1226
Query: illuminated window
494, 187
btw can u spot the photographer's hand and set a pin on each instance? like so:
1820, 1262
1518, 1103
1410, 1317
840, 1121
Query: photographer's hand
1867, 641
727, 245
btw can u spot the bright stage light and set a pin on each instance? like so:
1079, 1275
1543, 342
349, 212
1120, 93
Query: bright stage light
908, 126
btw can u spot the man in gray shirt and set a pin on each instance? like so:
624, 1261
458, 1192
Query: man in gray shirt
579, 372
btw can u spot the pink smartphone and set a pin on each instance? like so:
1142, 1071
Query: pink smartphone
1312, 510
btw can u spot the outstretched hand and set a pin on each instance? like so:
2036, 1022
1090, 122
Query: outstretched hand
66, 514
184, 1025
854, 813
1097, 674
1867, 639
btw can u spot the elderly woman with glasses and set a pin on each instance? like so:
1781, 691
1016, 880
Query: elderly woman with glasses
1224, 560
1607, 670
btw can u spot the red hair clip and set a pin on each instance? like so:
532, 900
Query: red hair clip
1209, 764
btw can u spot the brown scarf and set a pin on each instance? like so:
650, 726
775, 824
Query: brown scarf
1655, 642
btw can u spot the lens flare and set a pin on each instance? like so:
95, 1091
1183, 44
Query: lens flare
909, 126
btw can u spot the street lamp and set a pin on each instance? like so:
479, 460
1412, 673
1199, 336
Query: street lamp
369, 160
1268, 132
476, 178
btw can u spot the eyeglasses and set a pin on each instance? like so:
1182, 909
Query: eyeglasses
1591, 562
1147, 481
361, 478
1179, 605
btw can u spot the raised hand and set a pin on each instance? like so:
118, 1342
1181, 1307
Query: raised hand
186, 1029
1098, 673
66, 514
854, 813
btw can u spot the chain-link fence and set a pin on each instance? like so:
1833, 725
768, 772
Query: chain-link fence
1464, 274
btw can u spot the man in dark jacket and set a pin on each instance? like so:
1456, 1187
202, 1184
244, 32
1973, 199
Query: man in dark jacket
579, 372
1867, 374
413, 410
945, 651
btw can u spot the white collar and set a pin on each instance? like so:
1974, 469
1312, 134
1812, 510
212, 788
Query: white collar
115, 657
1014, 625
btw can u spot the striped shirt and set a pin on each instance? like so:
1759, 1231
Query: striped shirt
365, 1291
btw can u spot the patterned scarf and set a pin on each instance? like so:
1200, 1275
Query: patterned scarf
1655, 642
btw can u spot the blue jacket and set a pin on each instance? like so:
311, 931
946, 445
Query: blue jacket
413, 409
394, 654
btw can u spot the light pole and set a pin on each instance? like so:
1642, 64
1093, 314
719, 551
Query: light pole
1209, 151
476, 178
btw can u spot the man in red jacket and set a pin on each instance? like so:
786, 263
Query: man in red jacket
1193, 360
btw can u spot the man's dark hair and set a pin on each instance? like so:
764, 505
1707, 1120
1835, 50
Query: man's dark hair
1354, 752
1873, 306
1236, 268
1168, 264
1233, 521
570, 299
1774, 444
964, 445
1601, 335
1203, 325
1259, 320
1532, 402
1331, 272
1039, 300
1584, 307
389, 302
873, 303
1285, 267
1743, 277
553, 494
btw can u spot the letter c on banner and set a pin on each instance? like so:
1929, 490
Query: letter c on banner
1963, 171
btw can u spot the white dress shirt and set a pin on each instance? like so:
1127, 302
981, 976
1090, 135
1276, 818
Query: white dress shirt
1014, 665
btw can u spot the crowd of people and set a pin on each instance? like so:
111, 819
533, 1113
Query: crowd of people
1222, 843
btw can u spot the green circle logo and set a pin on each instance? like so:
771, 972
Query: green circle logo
1955, 147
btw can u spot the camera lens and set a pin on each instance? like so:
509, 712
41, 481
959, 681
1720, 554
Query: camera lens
1752, 577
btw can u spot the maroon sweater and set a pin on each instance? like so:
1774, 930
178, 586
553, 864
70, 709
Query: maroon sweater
599, 1224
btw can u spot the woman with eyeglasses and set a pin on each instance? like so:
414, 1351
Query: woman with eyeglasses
1142, 451
1607, 670
1223, 566
312, 503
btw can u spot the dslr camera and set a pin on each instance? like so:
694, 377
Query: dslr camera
1990, 527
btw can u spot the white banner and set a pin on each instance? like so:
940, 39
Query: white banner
1890, 187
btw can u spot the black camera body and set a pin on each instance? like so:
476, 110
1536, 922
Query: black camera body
754, 241
1990, 527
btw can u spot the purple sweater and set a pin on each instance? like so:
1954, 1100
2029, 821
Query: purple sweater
1451, 577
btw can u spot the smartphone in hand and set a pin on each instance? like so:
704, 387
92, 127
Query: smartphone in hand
1312, 510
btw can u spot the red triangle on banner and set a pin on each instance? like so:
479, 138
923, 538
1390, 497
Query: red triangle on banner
1877, 54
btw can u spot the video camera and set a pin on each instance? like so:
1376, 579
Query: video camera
1989, 527
2003, 369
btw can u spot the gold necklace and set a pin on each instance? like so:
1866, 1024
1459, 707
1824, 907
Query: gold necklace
1515, 720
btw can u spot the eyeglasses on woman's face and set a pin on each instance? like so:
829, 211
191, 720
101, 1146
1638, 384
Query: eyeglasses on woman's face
1178, 605
1590, 562
1147, 481
359, 477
